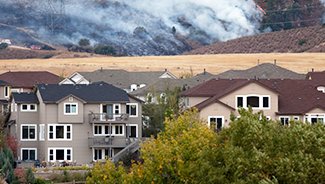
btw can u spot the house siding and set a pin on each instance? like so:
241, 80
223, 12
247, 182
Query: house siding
64, 118
216, 109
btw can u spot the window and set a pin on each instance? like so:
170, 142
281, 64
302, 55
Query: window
28, 107
60, 154
101, 130
29, 153
254, 101
101, 154
42, 132
7, 91
16, 107
60, 132
132, 109
187, 102
118, 129
70, 108
316, 120
218, 122
284, 120
28, 132
132, 130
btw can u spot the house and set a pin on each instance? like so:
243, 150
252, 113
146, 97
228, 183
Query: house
280, 99
129, 81
22, 81
83, 122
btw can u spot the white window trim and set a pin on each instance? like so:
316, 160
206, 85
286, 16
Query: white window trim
137, 110
7, 90
21, 152
113, 130
21, 132
222, 117
136, 135
285, 117
187, 102
12, 107
64, 132
42, 126
65, 154
313, 115
71, 113
296, 117
14, 90
16, 107
103, 152
28, 108
252, 95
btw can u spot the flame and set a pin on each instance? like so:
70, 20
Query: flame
258, 6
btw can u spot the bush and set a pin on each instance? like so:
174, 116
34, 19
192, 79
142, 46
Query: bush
105, 50
88, 49
77, 176
3, 46
20, 174
54, 176
39, 181
139, 30
30, 178
83, 42
47, 56
65, 177
302, 41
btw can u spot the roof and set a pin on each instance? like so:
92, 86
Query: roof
121, 78
316, 78
25, 98
261, 71
4, 83
294, 96
95, 92
29, 79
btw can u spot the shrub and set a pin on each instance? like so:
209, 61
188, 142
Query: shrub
47, 56
88, 49
77, 176
302, 41
65, 176
105, 50
30, 178
3, 46
20, 174
139, 30
39, 181
54, 176
7, 172
83, 42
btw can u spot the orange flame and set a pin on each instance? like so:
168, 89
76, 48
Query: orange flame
258, 6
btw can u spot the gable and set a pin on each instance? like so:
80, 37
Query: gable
167, 75
76, 77
316, 110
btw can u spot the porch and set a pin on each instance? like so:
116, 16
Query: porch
108, 118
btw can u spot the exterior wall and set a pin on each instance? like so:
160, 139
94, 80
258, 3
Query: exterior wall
2, 92
70, 118
254, 89
136, 120
217, 109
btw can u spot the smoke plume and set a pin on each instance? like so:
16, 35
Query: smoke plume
137, 27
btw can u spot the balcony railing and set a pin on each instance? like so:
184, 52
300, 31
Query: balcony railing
108, 118
106, 142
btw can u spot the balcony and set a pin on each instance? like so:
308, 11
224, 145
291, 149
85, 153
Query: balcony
108, 118
106, 142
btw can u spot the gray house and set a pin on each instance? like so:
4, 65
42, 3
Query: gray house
81, 122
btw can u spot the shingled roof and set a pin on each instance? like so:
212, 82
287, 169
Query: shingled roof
294, 96
261, 71
29, 79
92, 93
25, 98
121, 78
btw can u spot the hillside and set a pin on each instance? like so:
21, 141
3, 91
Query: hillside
309, 39
149, 27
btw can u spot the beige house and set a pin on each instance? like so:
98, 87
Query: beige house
80, 123
279, 99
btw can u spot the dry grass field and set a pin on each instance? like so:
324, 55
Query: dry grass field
301, 63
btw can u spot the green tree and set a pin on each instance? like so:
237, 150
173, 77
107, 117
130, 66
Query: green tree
160, 104
174, 30
7, 171
252, 150
30, 178
83, 42
3, 46
105, 50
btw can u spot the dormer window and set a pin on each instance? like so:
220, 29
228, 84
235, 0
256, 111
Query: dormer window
254, 101
7, 88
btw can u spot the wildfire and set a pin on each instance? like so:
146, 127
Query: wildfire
258, 6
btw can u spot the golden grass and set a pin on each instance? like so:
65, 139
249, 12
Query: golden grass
301, 63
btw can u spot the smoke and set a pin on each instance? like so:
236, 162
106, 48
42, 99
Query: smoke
113, 23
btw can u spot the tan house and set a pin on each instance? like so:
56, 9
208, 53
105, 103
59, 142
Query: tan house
280, 99
74, 122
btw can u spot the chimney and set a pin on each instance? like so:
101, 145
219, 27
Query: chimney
204, 71
165, 69
258, 62
101, 69
312, 70
275, 62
